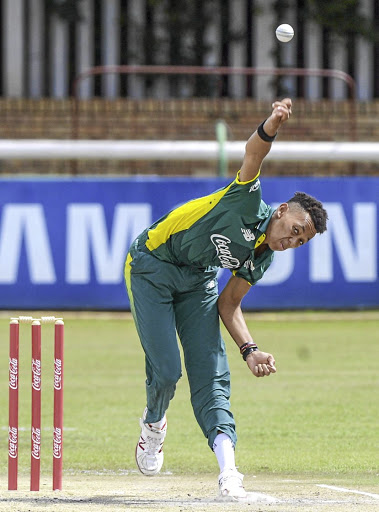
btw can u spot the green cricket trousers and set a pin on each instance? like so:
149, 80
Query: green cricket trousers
167, 299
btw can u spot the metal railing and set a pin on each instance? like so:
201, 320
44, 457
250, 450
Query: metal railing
215, 71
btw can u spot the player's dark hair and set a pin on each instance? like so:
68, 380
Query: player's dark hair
312, 206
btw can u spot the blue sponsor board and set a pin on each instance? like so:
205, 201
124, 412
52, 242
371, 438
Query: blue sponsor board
63, 241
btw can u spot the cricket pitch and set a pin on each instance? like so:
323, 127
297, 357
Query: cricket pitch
173, 493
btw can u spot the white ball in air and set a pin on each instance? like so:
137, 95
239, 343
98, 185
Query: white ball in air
284, 33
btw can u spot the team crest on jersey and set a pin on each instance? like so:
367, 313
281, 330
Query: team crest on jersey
248, 235
255, 186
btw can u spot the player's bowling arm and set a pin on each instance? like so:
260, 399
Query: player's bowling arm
256, 148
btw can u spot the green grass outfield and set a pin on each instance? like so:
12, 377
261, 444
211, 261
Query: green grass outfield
317, 416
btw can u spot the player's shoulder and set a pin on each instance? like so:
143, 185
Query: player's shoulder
248, 192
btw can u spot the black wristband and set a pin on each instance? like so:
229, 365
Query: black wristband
248, 348
248, 351
263, 135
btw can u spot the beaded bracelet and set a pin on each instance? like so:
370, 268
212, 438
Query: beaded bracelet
263, 135
248, 348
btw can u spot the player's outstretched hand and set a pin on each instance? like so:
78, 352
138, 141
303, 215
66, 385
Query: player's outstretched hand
261, 363
281, 111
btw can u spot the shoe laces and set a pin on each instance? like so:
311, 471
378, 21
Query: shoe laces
153, 439
232, 478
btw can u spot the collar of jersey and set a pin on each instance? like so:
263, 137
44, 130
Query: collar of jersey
262, 227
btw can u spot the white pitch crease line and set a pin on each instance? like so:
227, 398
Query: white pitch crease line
342, 489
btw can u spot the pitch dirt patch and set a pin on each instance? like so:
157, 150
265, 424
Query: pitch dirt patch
190, 493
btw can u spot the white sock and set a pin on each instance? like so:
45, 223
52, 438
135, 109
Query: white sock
224, 451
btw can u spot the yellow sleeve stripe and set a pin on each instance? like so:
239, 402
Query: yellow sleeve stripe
127, 271
234, 272
245, 182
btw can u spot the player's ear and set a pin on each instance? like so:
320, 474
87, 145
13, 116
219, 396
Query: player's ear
282, 208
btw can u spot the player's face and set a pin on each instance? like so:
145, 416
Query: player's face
290, 228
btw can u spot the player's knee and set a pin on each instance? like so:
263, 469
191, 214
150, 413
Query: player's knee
168, 378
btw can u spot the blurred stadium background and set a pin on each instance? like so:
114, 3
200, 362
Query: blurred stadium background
108, 70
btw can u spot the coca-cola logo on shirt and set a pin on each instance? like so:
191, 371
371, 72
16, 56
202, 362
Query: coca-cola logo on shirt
224, 254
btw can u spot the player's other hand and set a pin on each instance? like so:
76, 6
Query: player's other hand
261, 364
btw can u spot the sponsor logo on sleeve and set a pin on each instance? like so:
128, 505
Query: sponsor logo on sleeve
249, 265
255, 186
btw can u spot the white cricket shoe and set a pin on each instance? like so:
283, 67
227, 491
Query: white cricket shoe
149, 449
230, 485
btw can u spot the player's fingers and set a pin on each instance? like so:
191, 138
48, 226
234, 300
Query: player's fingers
287, 102
266, 370
283, 111
279, 116
260, 370
271, 364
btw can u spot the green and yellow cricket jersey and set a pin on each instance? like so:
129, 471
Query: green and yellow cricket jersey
218, 230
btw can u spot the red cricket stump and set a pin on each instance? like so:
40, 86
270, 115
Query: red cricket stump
35, 464
13, 405
58, 406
